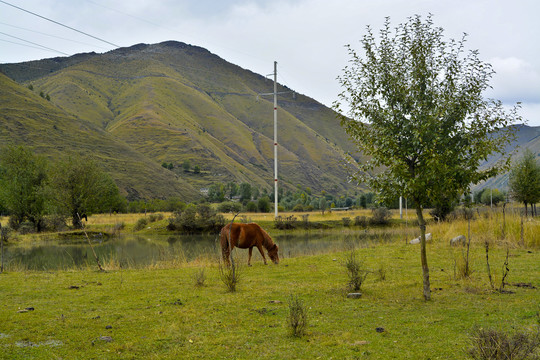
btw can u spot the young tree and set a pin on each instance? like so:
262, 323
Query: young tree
245, 192
22, 179
427, 126
79, 187
524, 180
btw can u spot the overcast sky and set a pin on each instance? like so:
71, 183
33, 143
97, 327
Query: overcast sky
305, 37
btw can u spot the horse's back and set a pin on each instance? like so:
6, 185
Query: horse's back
242, 235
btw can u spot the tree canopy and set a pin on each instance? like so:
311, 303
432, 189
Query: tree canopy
23, 176
416, 108
524, 180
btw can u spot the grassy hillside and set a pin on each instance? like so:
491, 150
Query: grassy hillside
31, 120
173, 102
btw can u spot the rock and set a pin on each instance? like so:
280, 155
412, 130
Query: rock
417, 240
106, 338
275, 302
380, 330
354, 295
458, 240
108, 327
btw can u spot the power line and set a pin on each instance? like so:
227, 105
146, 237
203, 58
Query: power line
16, 43
33, 43
54, 36
56, 22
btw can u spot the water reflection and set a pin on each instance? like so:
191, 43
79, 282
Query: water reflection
136, 251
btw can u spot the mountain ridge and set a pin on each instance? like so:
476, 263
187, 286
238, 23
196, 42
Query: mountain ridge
174, 102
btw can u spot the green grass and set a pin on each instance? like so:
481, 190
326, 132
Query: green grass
160, 313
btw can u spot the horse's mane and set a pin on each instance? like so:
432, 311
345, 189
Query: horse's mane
268, 243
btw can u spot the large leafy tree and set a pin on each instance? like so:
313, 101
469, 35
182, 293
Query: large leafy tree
524, 181
22, 180
415, 106
79, 187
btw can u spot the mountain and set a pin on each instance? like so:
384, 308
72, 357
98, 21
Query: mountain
33, 121
138, 107
527, 137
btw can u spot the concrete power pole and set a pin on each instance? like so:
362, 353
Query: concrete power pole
275, 144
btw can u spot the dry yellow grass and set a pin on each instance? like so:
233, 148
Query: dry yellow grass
409, 215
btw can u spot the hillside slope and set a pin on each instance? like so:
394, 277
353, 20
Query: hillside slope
33, 121
173, 102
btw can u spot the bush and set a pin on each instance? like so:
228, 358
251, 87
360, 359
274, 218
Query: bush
380, 216
140, 224
346, 221
497, 345
361, 221
263, 204
297, 320
26, 227
355, 271
199, 219
54, 223
231, 207
251, 206
285, 223
298, 208
155, 217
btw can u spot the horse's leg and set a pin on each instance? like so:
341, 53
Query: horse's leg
259, 246
249, 259
225, 253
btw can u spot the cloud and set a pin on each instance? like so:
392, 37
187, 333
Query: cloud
515, 80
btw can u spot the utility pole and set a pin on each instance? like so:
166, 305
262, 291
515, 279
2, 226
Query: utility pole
275, 94
275, 144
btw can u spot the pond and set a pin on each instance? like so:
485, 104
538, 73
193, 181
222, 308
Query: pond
128, 251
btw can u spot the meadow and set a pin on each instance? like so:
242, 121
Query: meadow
164, 312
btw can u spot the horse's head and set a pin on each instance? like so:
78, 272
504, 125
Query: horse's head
273, 254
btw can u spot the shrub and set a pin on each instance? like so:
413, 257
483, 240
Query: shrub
497, 345
346, 221
230, 274
199, 219
251, 206
199, 277
140, 224
231, 207
297, 320
155, 217
26, 227
298, 208
361, 221
54, 223
285, 223
380, 216
355, 271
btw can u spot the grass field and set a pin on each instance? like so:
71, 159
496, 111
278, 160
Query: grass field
159, 312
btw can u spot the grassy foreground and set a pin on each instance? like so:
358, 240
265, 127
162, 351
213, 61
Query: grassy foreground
160, 313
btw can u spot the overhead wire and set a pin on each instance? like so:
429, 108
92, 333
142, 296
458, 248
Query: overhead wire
59, 23
33, 43
54, 36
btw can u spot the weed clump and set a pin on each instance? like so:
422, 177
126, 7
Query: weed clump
492, 344
199, 277
298, 319
355, 271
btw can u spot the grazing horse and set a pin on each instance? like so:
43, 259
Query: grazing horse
246, 236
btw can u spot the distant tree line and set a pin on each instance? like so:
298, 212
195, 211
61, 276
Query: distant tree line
39, 195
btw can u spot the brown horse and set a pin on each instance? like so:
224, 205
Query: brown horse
246, 236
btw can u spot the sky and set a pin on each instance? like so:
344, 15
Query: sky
306, 37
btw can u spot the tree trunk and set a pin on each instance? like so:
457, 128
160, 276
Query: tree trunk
423, 256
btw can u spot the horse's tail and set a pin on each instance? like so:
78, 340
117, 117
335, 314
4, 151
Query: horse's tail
224, 237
